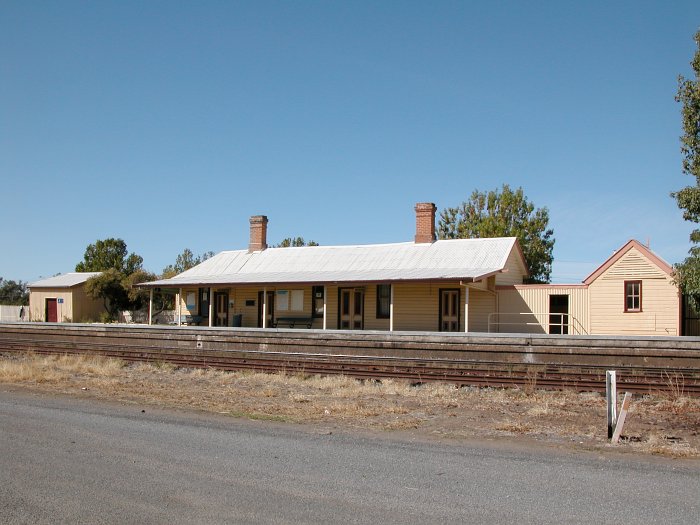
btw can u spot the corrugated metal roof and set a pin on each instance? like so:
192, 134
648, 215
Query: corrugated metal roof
444, 259
66, 280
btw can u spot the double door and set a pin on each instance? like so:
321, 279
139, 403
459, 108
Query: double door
221, 309
449, 310
352, 308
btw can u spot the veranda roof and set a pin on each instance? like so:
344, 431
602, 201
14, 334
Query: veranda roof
463, 259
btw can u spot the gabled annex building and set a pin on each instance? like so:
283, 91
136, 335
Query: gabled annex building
461, 285
631, 293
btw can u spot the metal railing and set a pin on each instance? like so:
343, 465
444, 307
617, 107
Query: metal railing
549, 323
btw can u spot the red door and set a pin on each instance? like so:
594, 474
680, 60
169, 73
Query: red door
51, 311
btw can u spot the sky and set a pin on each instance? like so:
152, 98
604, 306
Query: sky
168, 123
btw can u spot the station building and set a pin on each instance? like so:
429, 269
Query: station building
459, 285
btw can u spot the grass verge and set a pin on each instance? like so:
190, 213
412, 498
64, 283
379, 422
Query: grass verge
657, 424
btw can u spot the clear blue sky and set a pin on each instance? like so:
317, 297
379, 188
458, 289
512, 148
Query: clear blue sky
168, 124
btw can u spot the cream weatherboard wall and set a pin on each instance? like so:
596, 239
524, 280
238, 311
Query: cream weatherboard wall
660, 308
370, 308
514, 270
525, 308
416, 305
481, 305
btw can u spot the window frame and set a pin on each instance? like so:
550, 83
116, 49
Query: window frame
627, 295
379, 313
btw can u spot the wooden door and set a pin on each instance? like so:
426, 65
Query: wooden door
51, 311
203, 302
449, 310
221, 302
270, 309
352, 308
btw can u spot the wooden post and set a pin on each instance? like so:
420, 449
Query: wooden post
179, 307
325, 306
211, 308
150, 307
466, 309
611, 397
621, 420
391, 309
264, 308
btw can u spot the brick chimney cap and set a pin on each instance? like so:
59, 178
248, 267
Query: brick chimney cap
425, 222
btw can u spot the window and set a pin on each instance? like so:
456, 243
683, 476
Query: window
633, 296
317, 294
282, 300
290, 300
383, 301
297, 301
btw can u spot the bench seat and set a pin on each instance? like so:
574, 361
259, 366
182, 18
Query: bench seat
291, 321
188, 320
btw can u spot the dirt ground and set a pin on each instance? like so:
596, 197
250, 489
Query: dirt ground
665, 424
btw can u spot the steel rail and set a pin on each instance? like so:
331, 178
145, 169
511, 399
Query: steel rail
637, 379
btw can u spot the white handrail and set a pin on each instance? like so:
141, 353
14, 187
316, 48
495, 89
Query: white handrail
542, 319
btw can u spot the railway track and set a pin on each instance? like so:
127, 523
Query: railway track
633, 375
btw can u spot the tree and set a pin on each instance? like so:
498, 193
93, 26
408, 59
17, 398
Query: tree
109, 253
185, 261
504, 213
293, 242
687, 273
13, 292
137, 297
109, 287
118, 291
120, 270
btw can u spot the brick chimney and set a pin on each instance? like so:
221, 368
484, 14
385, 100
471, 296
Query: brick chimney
425, 222
258, 233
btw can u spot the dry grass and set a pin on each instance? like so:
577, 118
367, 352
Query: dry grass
47, 369
662, 424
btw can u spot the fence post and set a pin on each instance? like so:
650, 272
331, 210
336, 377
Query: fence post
611, 397
621, 421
